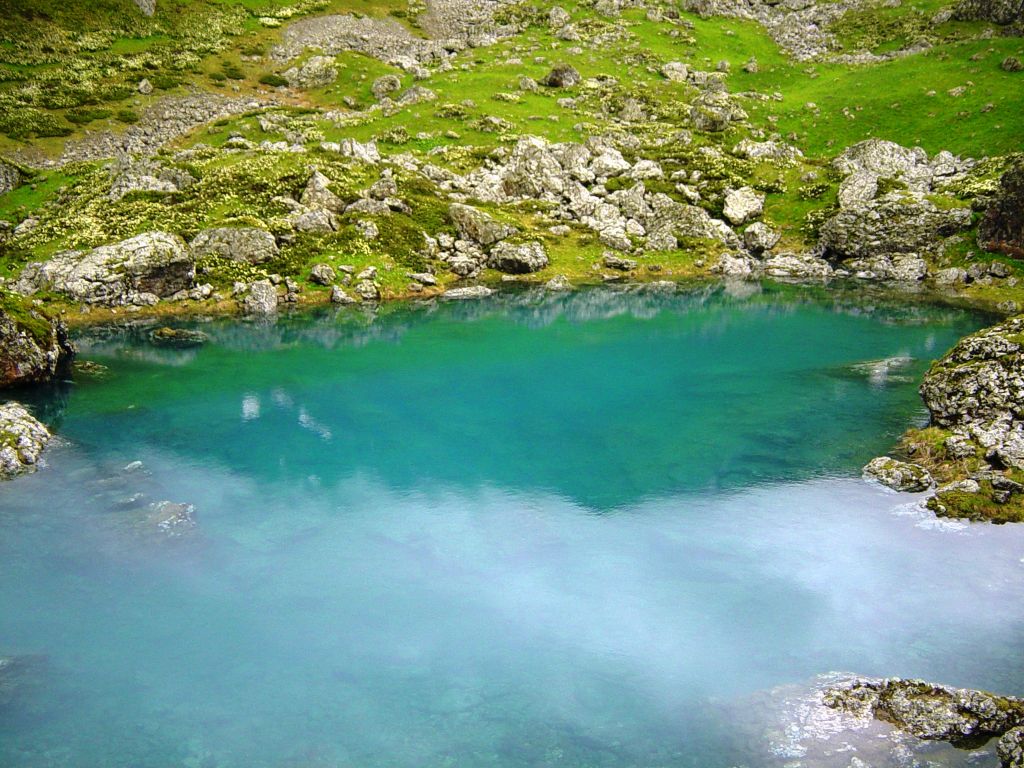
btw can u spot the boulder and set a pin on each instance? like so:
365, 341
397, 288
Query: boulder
338, 296
22, 440
261, 298
797, 266
901, 267
473, 224
519, 258
890, 225
322, 274
1002, 228
714, 111
743, 204
385, 86
314, 222
561, 76
153, 264
317, 72
675, 71
898, 475
249, 244
10, 177
928, 711
318, 195
759, 237
33, 348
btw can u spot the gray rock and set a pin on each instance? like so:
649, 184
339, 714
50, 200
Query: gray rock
715, 111
743, 204
145, 87
558, 283
998, 11
797, 266
322, 274
155, 263
890, 226
261, 299
317, 72
367, 289
318, 195
901, 267
249, 244
759, 237
473, 224
518, 258
611, 261
898, 475
313, 221
675, 71
22, 440
338, 296
385, 86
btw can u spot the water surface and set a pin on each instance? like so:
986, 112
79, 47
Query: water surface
532, 531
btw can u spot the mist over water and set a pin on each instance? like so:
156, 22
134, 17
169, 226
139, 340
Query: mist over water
534, 531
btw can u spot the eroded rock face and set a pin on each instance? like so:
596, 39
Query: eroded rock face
1002, 229
22, 440
1011, 748
930, 711
249, 244
139, 270
32, 354
898, 475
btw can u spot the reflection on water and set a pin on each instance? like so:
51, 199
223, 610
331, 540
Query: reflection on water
574, 531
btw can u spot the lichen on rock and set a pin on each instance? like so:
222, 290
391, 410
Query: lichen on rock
22, 440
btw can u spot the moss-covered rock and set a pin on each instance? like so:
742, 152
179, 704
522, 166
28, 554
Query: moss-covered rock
33, 347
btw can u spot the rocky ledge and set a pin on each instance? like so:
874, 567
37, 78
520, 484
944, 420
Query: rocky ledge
22, 440
965, 718
974, 445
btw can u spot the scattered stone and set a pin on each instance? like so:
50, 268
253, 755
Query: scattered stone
385, 86
558, 283
367, 289
145, 87
898, 475
22, 440
1012, 64
322, 274
676, 71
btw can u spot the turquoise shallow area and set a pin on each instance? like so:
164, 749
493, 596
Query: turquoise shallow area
522, 532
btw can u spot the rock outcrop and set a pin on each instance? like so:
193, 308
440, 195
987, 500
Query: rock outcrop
22, 440
928, 711
33, 348
140, 270
249, 244
996, 11
1002, 228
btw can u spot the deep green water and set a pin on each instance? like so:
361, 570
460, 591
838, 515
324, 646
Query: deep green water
530, 531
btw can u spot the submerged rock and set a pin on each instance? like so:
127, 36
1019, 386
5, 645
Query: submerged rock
22, 440
929, 711
898, 475
178, 338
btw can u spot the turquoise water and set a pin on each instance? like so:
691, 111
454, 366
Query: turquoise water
523, 532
